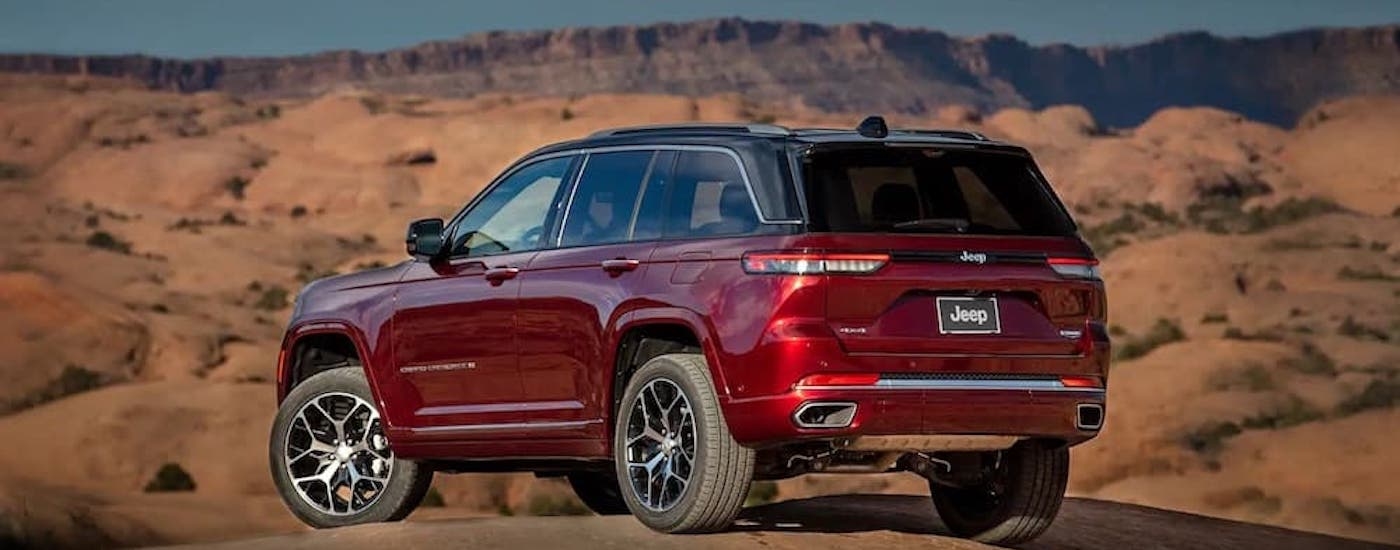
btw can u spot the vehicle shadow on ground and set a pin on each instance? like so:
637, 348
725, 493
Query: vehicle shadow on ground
1087, 524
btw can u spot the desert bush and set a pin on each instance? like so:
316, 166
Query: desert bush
1210, 438
433, 499
237, 186
556, 505
106, 241
170, 478
566, 114
1163, 332
307, 272
1348, 273
1227, 214
267, 112
1155, 213
1352, 328
1293, 412
1235, 333
73, 379
1381, 393
761, 492
1311, 361
1252, 378
272, 298
298, 211
12, 171
1215, 318
376, 264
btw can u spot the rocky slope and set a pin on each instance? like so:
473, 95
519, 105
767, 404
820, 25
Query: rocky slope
852, 67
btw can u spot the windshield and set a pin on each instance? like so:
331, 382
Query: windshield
927, 190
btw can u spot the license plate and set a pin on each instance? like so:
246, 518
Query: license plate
965, 315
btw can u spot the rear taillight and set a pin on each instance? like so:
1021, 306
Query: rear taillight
813, 263
1075, 268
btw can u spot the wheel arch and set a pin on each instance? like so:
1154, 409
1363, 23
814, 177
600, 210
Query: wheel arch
312, 347
644, 334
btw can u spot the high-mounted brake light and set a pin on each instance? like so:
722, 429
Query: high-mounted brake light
1075, 268
840, 379
813, 263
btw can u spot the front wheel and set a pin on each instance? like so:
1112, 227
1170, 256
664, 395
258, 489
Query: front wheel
330, 460
1016, 502
680, 469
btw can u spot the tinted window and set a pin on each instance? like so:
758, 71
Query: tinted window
511, 216
929, 190
605, 199
709, 198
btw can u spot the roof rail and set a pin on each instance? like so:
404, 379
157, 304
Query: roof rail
939, 132
766, 129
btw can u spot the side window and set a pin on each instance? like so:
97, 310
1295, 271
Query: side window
601, 210
511, 217
709, 197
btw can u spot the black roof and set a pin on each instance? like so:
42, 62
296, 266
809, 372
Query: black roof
720, 133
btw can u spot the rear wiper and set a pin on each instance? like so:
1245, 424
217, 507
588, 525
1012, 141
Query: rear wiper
959, 225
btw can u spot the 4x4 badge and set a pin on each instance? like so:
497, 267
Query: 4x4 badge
969, 257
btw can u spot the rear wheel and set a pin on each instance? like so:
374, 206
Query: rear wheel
330, 460
599, 491
680, 469
1016, 502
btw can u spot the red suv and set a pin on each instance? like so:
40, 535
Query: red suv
664, 314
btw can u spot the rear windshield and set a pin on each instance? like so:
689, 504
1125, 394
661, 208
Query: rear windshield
921, 190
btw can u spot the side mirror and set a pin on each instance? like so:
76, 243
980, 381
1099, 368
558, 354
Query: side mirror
425, 240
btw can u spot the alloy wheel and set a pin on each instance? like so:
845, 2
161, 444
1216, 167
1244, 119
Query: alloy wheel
336, 454
660, 445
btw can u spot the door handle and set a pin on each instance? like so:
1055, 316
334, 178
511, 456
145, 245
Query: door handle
620, 265
502, 273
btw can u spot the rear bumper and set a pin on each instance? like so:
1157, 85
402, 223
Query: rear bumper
931, 408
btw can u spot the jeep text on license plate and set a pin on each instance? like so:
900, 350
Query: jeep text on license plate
967, 315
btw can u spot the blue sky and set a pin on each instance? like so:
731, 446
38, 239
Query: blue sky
193, 28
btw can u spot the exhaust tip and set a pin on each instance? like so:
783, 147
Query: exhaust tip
1088, 416
825, 414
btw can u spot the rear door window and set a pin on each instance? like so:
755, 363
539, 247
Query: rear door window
916, 190
709, 198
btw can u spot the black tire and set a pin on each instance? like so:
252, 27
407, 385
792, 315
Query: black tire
407, 481
600, 492
721, 470
1030, 484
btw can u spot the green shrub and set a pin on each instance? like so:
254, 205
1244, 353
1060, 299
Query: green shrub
170, 478
1352, 328
237, 186
273, 298
433, 499
106, 241
1252, 378
1163, 332
74, 379
1215, 318
1347, 273
1211, 437
1226, 214
761, 492
12, 171
1292, 413
1234, 333
267, 112
1379, 394
556, 505
1311, 361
